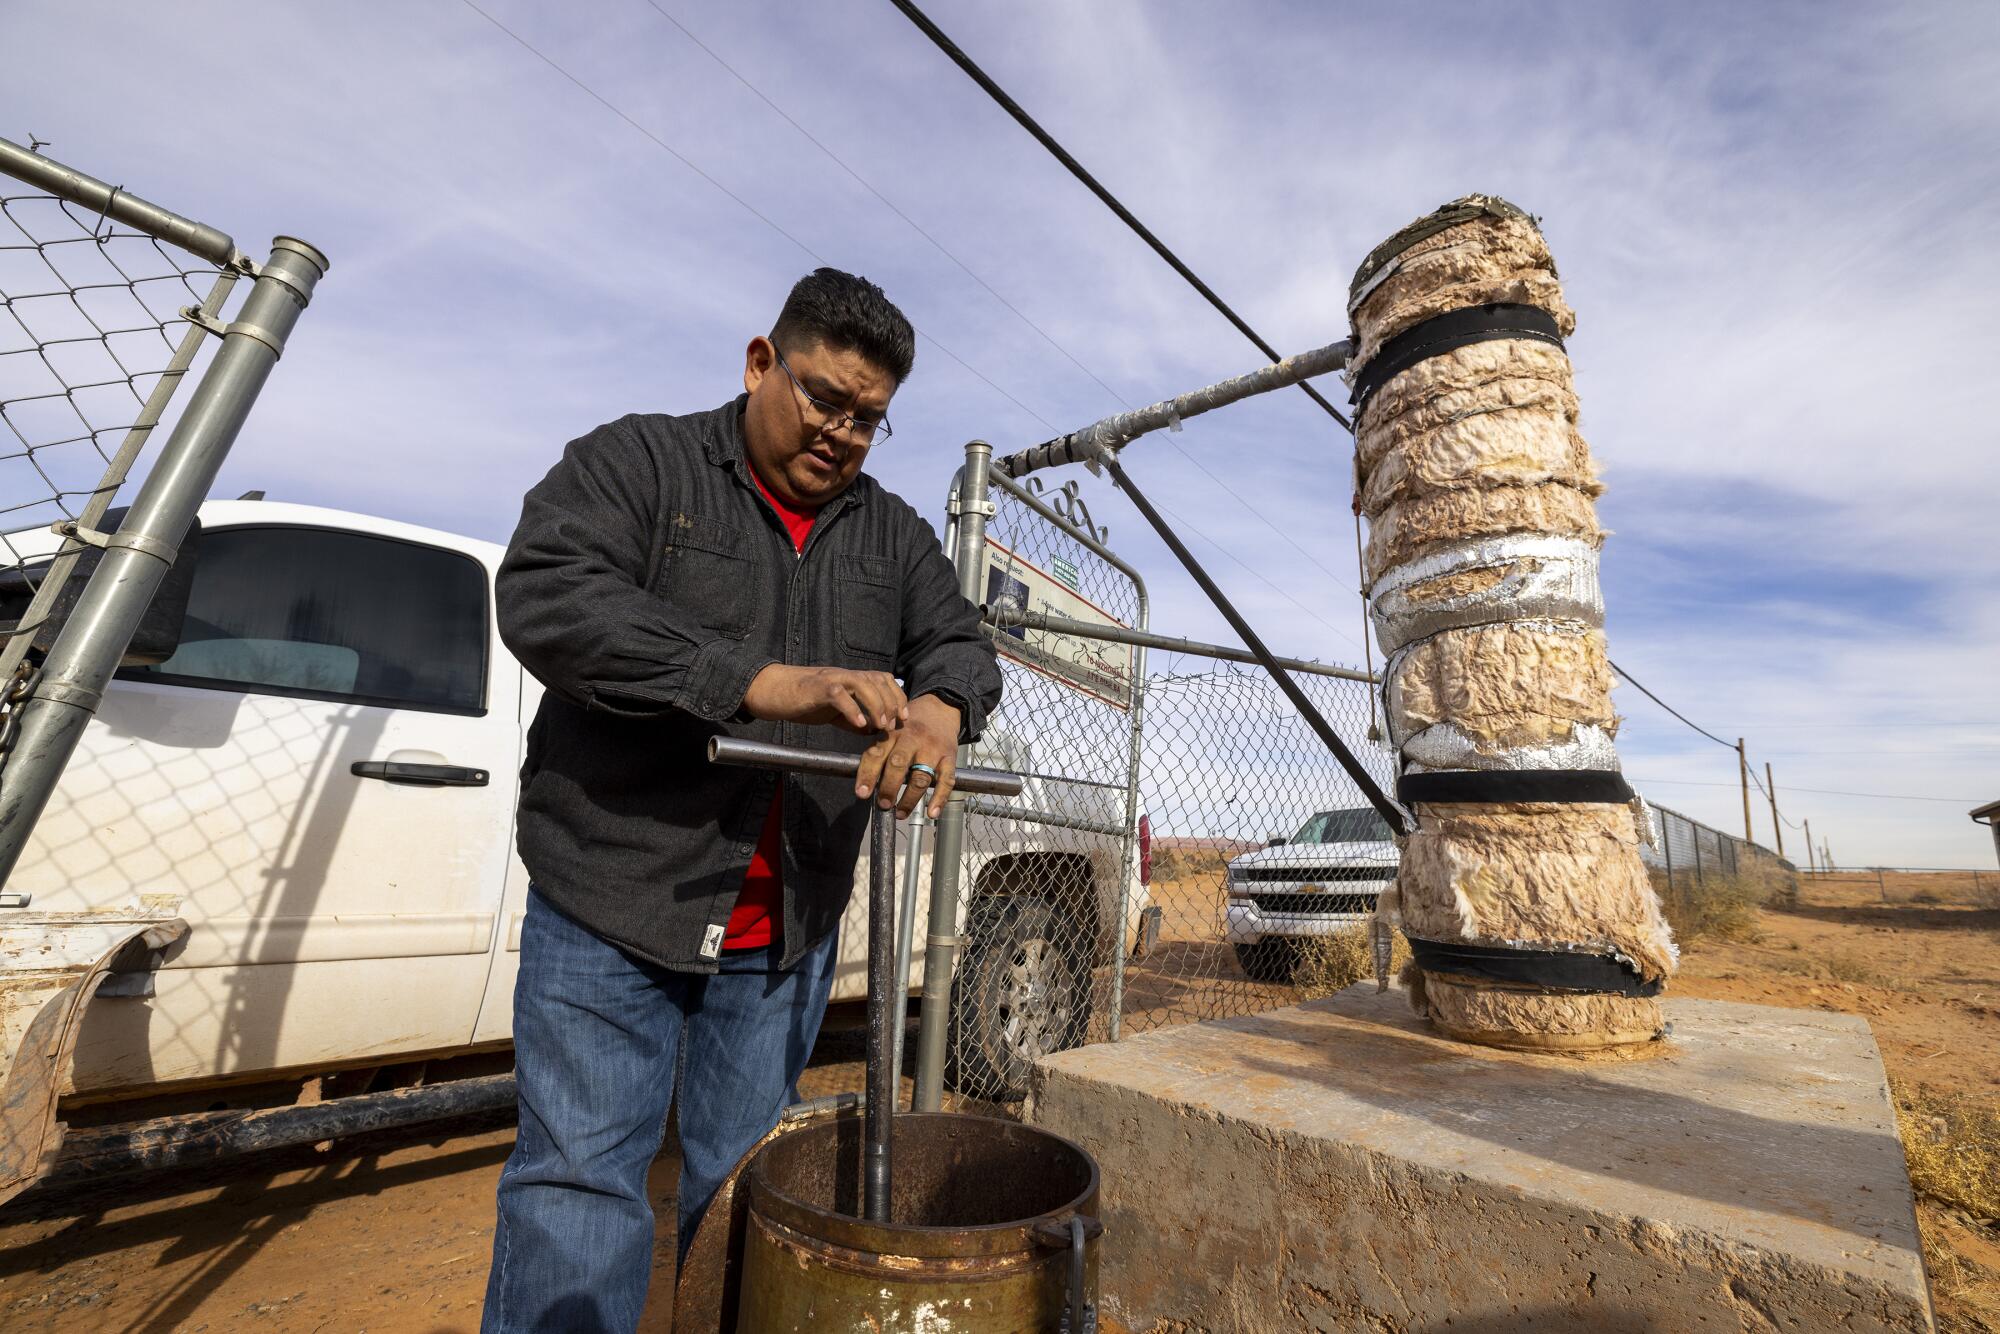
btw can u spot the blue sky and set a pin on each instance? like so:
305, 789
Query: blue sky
1772, 221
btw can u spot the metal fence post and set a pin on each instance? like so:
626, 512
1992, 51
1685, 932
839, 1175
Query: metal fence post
136, 558
970, 508
1130, 871
1667, 848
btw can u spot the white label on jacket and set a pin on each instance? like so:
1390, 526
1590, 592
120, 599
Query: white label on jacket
711, 944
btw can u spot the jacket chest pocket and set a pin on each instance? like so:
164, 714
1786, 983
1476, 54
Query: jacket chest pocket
705, 571
868, 602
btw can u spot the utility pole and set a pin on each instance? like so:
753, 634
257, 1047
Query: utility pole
1810, 864
1771, 791
1743, 775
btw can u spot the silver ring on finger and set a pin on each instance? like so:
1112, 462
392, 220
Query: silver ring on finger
924, 769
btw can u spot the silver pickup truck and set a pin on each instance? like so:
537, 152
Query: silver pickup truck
289, 844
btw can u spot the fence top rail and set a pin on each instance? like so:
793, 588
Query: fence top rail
1114, 432
1917, 870
119, 205
1009, 618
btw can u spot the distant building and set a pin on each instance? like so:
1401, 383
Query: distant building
1989, 815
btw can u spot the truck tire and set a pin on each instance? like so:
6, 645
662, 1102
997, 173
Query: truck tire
1022, 991
1269, 960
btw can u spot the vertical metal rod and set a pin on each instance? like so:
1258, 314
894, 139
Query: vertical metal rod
1398, 818
971, 508
1667, 847
1123, 945
115, 473
879, 1116
906, 930
1743, 777
95, 636
1771, 791
1141, 639
1881, 885
1812, 864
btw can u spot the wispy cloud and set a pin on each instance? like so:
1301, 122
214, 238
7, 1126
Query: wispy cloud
1771, 219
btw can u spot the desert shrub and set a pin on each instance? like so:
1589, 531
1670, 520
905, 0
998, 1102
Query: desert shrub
1718, 907
1844, 967
1833, 966
1333, 963
1189, 864
1952, 1143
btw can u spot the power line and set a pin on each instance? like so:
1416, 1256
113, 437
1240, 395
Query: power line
748, 207
1980, 748
761, 216
994, 292
1076, 169
881, 198
1816, 791
1635, 681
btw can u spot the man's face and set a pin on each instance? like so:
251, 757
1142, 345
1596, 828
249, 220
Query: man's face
799, 449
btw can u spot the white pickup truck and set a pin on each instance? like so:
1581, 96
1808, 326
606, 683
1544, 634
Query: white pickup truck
320, 782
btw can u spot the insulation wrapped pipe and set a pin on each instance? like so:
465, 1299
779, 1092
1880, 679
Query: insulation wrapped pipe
1533, 922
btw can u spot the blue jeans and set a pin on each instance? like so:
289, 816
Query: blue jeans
600, 1040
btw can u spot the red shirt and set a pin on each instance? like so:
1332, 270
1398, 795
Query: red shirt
753, 921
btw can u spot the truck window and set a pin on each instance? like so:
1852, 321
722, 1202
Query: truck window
325, 614
1359, 825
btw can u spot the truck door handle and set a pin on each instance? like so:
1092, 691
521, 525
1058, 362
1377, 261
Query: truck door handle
420, 775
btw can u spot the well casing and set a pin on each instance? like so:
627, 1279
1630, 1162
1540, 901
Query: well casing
979, 1239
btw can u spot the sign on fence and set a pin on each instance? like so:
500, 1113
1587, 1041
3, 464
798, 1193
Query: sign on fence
1095, 667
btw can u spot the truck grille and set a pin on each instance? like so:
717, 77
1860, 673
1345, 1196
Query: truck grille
1314, 903
1304, 874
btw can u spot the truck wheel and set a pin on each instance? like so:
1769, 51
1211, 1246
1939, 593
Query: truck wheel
1021, 992
1269, 960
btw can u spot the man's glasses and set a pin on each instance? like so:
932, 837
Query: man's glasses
825, 416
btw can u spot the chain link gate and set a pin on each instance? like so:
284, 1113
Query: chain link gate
1048, 887
1130, 887
106, 303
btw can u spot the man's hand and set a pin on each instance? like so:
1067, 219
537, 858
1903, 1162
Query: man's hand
864, 702
928, 735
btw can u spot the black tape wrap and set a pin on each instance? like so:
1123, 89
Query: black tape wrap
1442, 333
1549, 970
1599, 787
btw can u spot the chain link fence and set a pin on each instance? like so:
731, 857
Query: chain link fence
94, 341
1130, 886
1901, 885
1687, 855
1186, 847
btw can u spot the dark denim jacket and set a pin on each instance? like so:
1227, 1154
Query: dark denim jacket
648, 582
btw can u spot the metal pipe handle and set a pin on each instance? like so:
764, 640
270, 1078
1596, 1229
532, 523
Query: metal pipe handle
769, 755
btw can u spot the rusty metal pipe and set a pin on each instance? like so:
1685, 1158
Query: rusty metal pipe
884, 1008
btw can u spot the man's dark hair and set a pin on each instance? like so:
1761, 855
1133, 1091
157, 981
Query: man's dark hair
845, 311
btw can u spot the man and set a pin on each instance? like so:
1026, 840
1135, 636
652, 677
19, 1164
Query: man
673, 578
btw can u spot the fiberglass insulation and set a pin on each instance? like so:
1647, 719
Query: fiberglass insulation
1481, 559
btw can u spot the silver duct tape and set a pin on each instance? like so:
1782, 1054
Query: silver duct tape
1541, 578
1444, 746
1643, 822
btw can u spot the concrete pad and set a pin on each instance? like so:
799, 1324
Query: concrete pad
1337, 1166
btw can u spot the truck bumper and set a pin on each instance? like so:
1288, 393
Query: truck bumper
1247, 924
